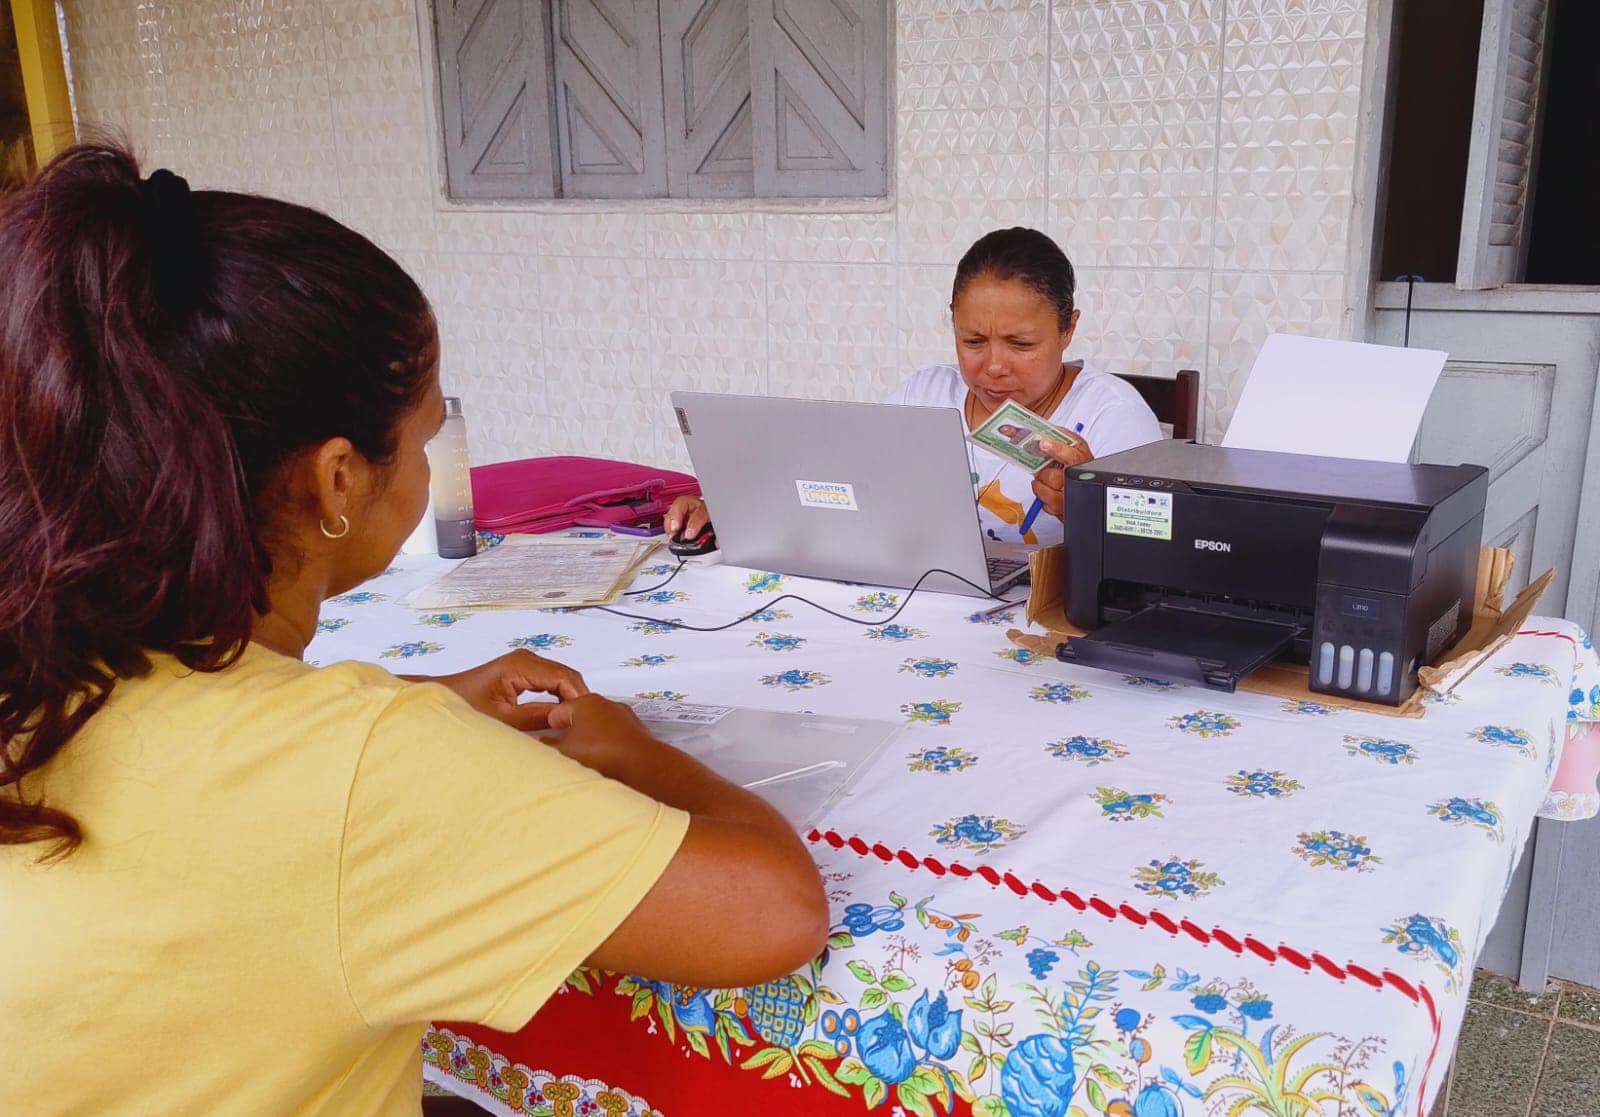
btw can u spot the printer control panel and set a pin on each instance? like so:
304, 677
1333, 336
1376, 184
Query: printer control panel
1123, 481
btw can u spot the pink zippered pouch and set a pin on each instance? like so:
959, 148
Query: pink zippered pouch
547, 494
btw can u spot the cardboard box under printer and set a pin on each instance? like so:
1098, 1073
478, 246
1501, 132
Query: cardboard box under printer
1207, 563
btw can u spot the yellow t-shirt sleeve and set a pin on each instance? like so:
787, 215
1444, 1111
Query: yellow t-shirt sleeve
479, 866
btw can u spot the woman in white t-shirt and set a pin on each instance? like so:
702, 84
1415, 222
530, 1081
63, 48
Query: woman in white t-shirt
1012, 306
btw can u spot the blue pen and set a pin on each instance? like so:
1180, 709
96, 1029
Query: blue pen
1038, 505
1027, 521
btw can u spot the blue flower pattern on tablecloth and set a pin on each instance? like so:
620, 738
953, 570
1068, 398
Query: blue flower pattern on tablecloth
410, 649
660, 569
894, 633
1336, 849
977, 833
768, 616
940, 759
1063, 693
1307, 709
442, 620
1005, 616
1537, 671
663, 695
937, 712
1038, 1077
1459, 810
1117, 805
1500, 736
763, 582
1093, 751
661, 597
332, 624
795, 679
1175, 877
1381, 749
777, 642
651, 660
656, 628
934, 1026
359, 597
1204, 723
879, 602
486, 539
1024, 657
1429, 937
541, 641
928, 667
1584, 705
885, 1048
1261, 784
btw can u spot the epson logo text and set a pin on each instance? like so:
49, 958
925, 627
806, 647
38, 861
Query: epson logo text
1213, 545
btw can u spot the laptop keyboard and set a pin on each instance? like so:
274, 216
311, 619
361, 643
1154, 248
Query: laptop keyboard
1000, 568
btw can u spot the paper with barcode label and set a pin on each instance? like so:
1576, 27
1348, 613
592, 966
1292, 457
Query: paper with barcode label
684, 713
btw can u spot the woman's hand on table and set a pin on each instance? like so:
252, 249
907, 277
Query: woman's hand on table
495, 688
741, 901
597, 732
688, 513
1050, 483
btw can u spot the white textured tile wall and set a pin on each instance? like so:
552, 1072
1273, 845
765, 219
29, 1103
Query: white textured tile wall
1196, 158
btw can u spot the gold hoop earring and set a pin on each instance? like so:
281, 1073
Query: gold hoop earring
344, 528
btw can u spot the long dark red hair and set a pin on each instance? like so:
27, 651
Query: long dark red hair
162, 353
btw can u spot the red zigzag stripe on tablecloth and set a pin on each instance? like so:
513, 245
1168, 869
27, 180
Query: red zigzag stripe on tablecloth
1126, 911
1417, 994
1555, 635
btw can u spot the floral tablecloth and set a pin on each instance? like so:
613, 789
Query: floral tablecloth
1066, 893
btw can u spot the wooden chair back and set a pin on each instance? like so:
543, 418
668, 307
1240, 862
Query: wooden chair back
1175, 400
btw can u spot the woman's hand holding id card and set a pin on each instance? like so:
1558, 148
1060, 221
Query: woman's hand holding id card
1014, 433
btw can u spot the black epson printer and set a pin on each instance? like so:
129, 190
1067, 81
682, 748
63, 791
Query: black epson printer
1203, 563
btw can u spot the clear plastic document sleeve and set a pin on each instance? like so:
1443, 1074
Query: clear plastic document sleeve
800, 763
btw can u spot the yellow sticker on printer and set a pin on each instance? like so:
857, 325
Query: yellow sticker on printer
1138, 512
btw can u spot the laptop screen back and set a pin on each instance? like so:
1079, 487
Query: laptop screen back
856, 492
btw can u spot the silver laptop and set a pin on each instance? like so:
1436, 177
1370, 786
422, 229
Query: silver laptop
857, 492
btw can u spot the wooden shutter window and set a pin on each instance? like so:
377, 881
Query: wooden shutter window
609, 115
494, 92
705, 57
663, 98
819, 90
1506, 115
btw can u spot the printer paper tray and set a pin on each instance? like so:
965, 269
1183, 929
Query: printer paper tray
1167, 642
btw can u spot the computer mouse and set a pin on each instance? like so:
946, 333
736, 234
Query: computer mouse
701, 544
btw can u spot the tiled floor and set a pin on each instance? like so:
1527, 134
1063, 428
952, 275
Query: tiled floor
1520, 1055
1526, 1055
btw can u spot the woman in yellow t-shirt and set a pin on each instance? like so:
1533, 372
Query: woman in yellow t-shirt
231, 882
